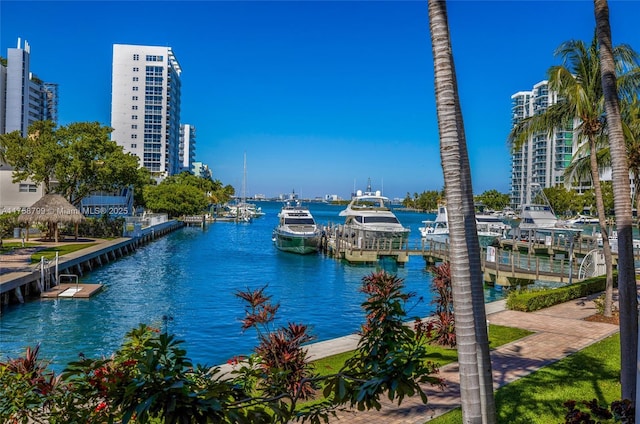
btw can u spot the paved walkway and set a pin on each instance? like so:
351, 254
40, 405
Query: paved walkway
558, 332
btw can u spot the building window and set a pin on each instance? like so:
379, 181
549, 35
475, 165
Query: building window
134, 117
134, 107
135, 88
134, 135
135, 79
133, 146
136, 69
136, 57
28, 188
134, 98
134, 126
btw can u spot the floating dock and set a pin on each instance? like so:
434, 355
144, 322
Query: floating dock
76, 291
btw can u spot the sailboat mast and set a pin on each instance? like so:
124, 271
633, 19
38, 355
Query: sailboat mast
244, 180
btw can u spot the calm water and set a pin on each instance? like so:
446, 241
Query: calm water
189, 278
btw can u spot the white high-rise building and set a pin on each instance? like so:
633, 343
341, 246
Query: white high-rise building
145, 106
25, 98
541, 160
187, 147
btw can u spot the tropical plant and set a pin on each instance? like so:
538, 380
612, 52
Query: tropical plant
631, 123
577, 82
441, 326
150, 379
476, 382
627, 287
391, 357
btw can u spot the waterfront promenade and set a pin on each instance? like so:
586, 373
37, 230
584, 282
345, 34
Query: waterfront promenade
550, 342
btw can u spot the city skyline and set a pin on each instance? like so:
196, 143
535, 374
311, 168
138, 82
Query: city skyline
320, 96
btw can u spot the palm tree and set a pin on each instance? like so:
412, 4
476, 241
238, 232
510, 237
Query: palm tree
627, 289
631, 125
578, 85
476, 384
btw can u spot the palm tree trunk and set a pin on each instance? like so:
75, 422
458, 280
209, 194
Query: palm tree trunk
622, 202
476, 387
604, 230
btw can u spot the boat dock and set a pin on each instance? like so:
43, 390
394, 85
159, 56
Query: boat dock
20, 278
505, 263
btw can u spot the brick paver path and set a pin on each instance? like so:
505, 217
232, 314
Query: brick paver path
559, 332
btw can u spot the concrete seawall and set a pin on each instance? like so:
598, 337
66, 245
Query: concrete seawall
19, 278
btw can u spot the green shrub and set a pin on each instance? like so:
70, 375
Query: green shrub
533, 300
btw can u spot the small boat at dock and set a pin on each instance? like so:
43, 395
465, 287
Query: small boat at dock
487, 226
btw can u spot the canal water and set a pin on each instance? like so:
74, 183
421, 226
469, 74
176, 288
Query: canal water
185, 283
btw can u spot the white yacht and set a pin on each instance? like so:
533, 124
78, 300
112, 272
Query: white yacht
538, 215
487, 226
369, 219
297, 231
584, 220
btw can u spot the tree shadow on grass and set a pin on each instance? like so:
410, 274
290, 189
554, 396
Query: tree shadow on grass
585, 375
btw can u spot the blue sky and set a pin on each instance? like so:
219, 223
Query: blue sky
321, 95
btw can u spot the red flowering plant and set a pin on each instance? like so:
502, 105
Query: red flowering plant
391, 357
441, 327
279, 369
28, 389
150, 378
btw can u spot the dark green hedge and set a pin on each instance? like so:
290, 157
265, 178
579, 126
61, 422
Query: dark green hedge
533, 300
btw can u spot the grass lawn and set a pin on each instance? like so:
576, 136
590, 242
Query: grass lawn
10, 246
592, 373
50, 252
498, 335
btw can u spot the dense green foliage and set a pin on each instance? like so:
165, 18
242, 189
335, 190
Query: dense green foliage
79, 157
425, 201
533, 300
493, 199
568, 202
8, 221
185, 194
151, 380
429, 200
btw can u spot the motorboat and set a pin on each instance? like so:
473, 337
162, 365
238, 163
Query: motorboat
491, 226
297, 231
438, 228
370, 221
487, 226
538, 214
584, 220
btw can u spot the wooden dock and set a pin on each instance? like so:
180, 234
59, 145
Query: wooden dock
505, 263
75, 291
